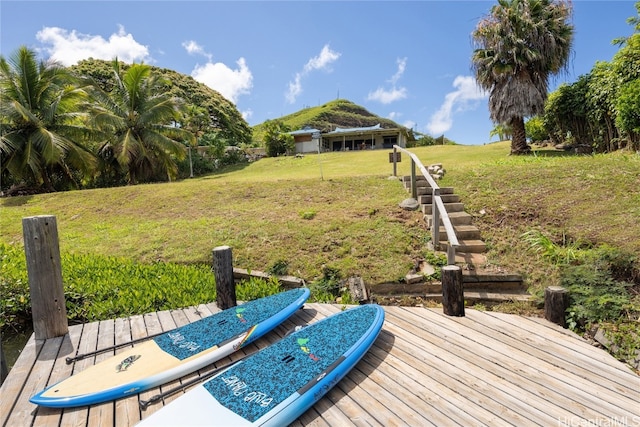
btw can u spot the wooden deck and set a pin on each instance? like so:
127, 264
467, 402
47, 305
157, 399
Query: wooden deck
425, 369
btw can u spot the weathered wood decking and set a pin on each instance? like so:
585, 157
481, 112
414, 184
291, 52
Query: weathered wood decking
425, 369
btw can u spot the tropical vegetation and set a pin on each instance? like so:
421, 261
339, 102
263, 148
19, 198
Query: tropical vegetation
137, 121
598, 112
518, 47
99, 124
600, 109
42, 126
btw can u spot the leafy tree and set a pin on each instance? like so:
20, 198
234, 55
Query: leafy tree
518, 47
277, 140
502, 131
138, 122
602, 92
628, 105
216, 144
626, 67
41, 128
535, 129
223, 116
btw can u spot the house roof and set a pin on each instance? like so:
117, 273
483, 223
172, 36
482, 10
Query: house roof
362, 129
304, 131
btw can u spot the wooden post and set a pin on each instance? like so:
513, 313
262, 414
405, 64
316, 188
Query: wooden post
452, 291
556, 302
395, 161
435, 219
223, 271
414, 182
4, 370
44, 270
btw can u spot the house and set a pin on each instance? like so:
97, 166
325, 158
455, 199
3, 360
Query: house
308, 140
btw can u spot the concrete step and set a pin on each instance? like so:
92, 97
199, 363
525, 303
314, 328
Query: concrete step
427, 191
472, 246
468, 258
456, 218
450, 207
420, 180
446, 198
464, 232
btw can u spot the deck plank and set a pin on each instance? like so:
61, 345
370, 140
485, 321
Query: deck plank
460, 382
547, 376
425, 368
103, 414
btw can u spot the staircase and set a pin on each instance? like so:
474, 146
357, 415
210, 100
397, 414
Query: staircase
480, 283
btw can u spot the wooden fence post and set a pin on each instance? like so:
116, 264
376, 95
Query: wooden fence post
452, 291
556, 302
225, 283
44, 270
4, 369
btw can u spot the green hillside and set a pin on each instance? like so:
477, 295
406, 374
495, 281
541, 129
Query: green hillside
326, 117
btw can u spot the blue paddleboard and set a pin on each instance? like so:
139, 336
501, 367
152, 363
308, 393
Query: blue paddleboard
276, 385
173, 354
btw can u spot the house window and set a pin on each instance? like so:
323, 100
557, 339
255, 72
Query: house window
389, 141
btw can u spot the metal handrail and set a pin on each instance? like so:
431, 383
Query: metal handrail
439, 211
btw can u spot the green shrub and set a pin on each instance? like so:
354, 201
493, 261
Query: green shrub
602, 283
594, 296
99, 288
279, 268
327, 288
15, 304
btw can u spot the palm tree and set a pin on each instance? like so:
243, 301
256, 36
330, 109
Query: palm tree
139, 122
40, 124
518, 47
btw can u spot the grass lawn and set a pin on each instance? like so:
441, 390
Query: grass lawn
340, 210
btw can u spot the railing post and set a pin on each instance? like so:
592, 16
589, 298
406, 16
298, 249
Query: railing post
452, 291
44, 270
223, 272
414, 184
435, 216
395, 161
451, 254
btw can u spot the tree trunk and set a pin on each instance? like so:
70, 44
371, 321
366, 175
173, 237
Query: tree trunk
519, 138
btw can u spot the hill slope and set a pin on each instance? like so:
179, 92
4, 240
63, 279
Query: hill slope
326, 117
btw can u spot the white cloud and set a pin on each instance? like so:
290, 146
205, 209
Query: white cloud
394, 115
321, 62
69, 47
229, 82
402, 65
247, 114
194, 48
461, 99
295, 89
387, 96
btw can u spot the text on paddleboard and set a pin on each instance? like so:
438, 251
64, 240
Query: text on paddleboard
240, 388
180, 341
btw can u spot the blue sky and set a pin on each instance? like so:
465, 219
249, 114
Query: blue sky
405, 60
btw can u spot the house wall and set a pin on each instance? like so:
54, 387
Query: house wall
349, 142
353, 142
